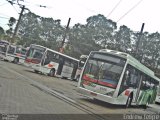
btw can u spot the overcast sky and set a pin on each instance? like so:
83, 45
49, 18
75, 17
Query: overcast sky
131, 13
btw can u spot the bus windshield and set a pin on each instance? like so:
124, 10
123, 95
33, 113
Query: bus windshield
103, 69
35, 54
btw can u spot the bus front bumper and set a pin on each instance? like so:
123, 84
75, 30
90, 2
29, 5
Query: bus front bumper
94, 95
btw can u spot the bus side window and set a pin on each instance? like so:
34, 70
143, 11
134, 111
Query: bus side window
47, 58
68, 63
132, 76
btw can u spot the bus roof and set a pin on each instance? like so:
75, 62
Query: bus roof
57, 52
130, 59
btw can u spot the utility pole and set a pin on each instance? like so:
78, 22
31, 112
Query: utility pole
64, 37
137, 45
17, 25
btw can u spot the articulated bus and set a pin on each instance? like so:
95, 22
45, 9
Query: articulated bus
117, 78
50, 62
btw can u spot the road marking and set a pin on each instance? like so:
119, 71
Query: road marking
49, 90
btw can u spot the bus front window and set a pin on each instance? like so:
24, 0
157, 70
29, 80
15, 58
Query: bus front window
35, 54
103, 72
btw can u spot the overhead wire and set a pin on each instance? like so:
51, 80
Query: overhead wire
31, 4
12, 4
15, 9
129, 10
83, 6
114, 8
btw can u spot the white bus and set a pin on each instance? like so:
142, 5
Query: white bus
3, 48
15, 54
117, 78
51, 62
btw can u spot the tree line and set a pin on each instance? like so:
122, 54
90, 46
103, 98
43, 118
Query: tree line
98, 33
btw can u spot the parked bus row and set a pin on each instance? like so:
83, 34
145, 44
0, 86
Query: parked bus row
118, 78
43, 60
111, 76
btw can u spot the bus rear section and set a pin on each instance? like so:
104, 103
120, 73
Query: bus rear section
15, 54
3, 48
100, 77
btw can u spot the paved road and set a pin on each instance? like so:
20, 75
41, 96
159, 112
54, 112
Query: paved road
22, 91
17, 95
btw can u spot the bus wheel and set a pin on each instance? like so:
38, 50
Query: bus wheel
16, 60
52, 73
129, 101
36, 71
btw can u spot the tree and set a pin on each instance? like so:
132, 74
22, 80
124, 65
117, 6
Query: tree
123, 39
11, 22
102, 30
2, 33
40, 30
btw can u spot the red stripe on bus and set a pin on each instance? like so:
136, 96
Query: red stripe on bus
85, 77
127, 93
18, 54
28, 60
107, 84
50, 65
35, 61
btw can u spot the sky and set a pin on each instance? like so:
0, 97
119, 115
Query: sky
131, 13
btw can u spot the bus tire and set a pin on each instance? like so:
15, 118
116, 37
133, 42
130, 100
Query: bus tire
52, 72
36, 71
16, 60
129, 101
5, 60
